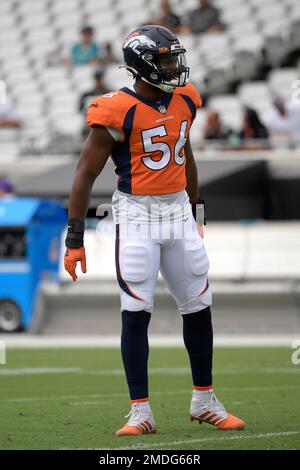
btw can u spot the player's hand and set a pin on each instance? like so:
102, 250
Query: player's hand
72, 256
200, 230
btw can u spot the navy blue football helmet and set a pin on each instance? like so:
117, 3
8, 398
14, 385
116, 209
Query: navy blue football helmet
154, 54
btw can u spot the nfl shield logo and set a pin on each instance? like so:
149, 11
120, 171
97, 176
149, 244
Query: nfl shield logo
162, 109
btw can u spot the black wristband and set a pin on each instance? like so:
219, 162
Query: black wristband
75, 234
194, 211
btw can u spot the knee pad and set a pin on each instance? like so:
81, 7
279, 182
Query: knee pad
196, 257
135, 262
129, 300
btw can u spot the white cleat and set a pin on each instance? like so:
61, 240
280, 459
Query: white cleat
141, 421
205, 407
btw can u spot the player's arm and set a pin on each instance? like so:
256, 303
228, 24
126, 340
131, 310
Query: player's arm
95, 152
192, 186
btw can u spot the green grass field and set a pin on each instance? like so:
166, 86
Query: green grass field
77, 398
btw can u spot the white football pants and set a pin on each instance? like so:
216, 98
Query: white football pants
177, 250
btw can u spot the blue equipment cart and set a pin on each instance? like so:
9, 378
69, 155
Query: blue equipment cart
30, 239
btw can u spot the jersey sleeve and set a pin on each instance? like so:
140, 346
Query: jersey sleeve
108, 111
192, 97
191, 91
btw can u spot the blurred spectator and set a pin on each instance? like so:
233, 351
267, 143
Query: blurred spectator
254, 134
88, 96
99, 89
86, 51
214, 129
8, 116
283, 120
205, 18
6, 188
107, 56
253, 128
169, 19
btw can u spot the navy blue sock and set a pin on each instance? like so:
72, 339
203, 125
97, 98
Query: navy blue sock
198, 340
135, 351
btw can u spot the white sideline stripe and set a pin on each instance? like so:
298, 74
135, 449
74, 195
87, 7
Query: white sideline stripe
24, 340
125, 394
187, 371
207, 439
39, 370
154, 371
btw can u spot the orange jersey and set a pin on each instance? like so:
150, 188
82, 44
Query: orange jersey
149, 157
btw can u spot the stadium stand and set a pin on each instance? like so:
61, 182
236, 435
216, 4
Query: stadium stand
47, 96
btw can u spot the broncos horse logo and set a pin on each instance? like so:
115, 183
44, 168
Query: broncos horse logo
140, 40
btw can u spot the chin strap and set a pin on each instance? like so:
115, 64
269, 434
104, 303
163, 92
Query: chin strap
161, 86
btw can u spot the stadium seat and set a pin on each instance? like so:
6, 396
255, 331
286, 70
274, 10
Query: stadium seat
11, 51
251, 42
276, 47
14, 64
248, 26
31, 7
236, 14
259, 3
217, 80
270, 10
246, 65
55, 87
31, 30
216, 52
95, 5
67, 123
73, 18
40, 35
64, 7
34, 22
295, 12
256, 95
9, 36
53, 73
230, 109
102, 18
7, 20
67, 36
281, 80
253, 91
130, 7
20, 77
108, 33
295, 33
117, 78
5, 7
278, 26
231, 4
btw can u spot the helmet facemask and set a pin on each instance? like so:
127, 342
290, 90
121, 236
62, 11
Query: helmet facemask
169, 69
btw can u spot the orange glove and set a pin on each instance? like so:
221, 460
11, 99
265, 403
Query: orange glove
73, 255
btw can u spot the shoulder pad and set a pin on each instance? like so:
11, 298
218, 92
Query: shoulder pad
109, 110
191, 91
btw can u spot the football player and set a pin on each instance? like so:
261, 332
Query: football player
145, 129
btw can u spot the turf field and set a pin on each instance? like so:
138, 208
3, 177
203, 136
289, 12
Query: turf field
77, 398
